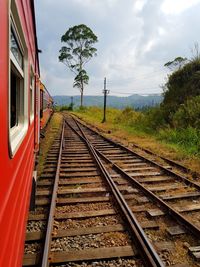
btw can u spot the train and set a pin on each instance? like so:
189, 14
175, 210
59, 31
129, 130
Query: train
46, 106
25, 109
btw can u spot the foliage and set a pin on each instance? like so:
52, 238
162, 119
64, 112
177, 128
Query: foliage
181, 85
188, 139
188, 114
65, 107
82, 109
129, 117
71, 106
177, 63
150, 120
78, 50
148, 123
81, 78
153, 119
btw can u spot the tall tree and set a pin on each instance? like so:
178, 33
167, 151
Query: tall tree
78, 50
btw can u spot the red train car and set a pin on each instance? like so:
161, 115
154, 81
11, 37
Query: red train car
46, 106
19, 120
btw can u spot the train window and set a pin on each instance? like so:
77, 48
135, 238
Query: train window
13, 99
45, 104
16, 51
18, 106
32, 83
41, 103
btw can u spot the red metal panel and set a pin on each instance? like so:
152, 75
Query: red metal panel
37, 114
46, 116
16, 173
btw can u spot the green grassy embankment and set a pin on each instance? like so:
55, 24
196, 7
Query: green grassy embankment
129, 126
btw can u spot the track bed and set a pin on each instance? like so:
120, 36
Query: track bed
111, 207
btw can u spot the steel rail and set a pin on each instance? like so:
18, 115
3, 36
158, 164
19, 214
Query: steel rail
171, 211
165, 170
151, 258
175, 214
170, 161
46, 259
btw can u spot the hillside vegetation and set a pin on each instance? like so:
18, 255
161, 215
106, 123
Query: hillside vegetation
174, 123
135, 101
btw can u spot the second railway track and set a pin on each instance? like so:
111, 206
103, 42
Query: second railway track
112, 208
164, 195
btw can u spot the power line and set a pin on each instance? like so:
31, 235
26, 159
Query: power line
140, 81
145, 75
121, 93
131, 93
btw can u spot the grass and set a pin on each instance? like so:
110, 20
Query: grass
187, 139
51, 133
182, 145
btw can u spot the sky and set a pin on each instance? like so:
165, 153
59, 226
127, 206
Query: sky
135, 39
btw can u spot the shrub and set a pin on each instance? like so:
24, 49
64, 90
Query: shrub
129, 117
181, 85
62, 108
82, 109
154, 119
188, 114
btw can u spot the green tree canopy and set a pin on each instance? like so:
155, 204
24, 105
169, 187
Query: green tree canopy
81, 78
78, 50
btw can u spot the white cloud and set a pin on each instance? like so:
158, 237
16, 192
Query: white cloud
178, 6
136, 38
138, 5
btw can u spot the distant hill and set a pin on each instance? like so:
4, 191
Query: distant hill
136, 101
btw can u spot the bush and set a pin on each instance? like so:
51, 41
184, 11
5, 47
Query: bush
188, 114
181, 85
82, 109
62, 108
129, 117
154, 119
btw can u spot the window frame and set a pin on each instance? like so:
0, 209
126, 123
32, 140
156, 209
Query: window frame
32, 88
18, 132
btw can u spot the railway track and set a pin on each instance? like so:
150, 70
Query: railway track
100, 206
109, 203
174, 193
148, 154
178, 167
38, 219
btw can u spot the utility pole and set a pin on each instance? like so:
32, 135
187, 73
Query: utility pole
105, 92
72, 102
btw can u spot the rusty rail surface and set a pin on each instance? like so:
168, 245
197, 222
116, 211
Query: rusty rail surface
145, 247
170, 161
48, 238
171, 211
167, 171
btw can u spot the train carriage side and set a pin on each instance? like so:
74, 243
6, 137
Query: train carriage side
46, 106
19, 76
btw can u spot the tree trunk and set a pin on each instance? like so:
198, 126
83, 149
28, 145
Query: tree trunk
81, 92
81, 98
